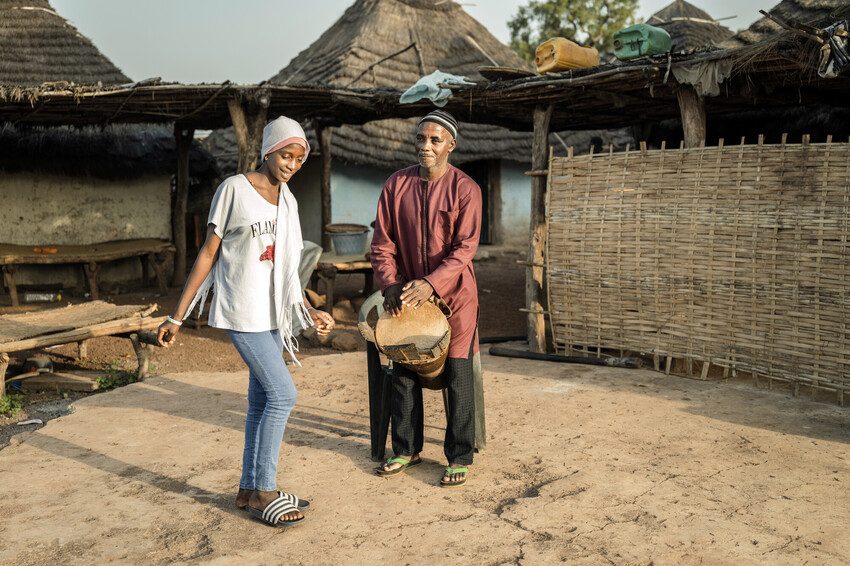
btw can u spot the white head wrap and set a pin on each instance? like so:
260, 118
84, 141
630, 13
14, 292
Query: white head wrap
280, 133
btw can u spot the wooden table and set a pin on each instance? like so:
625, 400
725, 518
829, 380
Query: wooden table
152, 253
78, 324
331, 264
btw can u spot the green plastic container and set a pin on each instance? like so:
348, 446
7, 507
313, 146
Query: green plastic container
640, 40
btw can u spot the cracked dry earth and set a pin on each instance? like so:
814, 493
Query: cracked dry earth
583, 464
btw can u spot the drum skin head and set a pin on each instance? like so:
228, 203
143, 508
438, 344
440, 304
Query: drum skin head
423, 327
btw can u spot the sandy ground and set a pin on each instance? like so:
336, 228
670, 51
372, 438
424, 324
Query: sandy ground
501, 295
583, 464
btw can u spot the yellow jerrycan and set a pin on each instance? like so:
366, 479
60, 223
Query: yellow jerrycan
561, 54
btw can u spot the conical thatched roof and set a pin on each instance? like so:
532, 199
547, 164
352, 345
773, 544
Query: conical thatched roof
37, 45
689, 27
445, 38
818, 13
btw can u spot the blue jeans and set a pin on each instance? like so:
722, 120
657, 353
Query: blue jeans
271, 397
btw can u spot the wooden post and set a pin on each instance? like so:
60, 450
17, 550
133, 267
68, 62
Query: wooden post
240, 131
9, 280
92, 269
256, 123
4, 364
534, 296
494, 177
248, 119
183, 138
324, 137
692, 109
142, 351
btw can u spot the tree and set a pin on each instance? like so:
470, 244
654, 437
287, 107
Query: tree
587, 22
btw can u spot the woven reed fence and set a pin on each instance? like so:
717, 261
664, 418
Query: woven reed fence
732, 256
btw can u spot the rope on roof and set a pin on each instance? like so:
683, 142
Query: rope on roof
685, 19
39, 8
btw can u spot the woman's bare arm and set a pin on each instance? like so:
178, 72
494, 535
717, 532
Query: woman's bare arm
207, 256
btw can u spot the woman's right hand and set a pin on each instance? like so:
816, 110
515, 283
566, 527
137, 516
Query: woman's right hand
167, 333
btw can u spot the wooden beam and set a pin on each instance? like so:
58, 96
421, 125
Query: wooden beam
183, 137
692, 109
534, 295
324, 137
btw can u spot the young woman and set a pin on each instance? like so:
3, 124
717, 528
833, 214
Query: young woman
251, 257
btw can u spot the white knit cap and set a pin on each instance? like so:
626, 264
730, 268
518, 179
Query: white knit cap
281, 132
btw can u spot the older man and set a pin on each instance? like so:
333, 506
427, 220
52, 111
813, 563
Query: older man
426, 234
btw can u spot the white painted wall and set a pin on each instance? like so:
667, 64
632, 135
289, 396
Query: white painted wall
516, 203
60, 210
355, 191
307, 188
354, 195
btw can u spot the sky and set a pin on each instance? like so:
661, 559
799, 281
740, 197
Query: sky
196, 41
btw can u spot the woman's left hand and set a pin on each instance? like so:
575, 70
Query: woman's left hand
324, 321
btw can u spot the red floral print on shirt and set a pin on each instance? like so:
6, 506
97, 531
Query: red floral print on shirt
268, 254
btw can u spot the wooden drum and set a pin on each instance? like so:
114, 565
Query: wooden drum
418, 339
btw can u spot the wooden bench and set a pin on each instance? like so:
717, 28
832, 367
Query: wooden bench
77, 324
331, 264
152, 253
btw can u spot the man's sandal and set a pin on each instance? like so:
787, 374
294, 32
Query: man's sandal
449, 473
405, 464
302, 504
276, 509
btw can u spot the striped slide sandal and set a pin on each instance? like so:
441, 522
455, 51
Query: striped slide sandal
285, 503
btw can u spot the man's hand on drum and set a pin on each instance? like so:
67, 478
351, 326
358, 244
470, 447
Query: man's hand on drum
324, 321
416, 292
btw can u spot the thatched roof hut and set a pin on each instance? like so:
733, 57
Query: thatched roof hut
114, 152
38, 45
689, 27
392, 43
443, 37
813, 12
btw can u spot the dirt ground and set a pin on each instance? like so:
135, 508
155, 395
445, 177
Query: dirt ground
501, 293
583, 464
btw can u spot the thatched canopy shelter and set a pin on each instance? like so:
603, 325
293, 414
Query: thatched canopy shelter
201, 106
392, 43
689, 27
813, 12
37, 45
